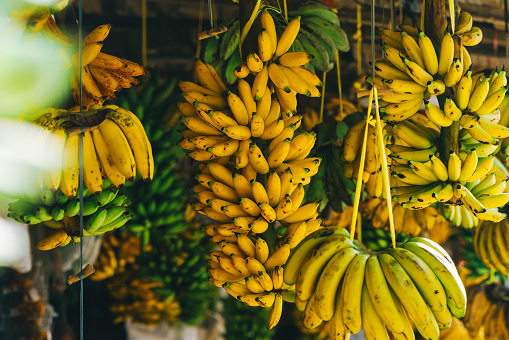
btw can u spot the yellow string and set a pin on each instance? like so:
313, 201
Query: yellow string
144, 33
322, 100
340, 90
358, 188
359, 40
359, 228
286, 10
385, 170
200, 28
452, 14
248, 24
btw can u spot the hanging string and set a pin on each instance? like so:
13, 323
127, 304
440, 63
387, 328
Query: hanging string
359, 40
340, 90
286, 10
200, 28
80, 39
144, 32
323, 97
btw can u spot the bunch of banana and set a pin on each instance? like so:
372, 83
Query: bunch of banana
459, 215
342, 282
320, 36
103, 213
458, 331
351, 155
253, 166
136, 299
377, 239
488, 311
310, 119
407, 221
117, 251
159, 203
333, 108
115, 148
244, 322
491, 245
469, 35
429, 177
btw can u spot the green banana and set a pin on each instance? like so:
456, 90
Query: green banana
313, 46
95, 220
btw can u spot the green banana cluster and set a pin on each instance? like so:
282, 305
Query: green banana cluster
159, 203
104, 212
178, 263
377, 239
320, 35
244, 322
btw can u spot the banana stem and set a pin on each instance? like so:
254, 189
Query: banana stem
449, 141
322, 100
270, 236
492, 276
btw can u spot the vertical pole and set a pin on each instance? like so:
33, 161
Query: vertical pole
393, 15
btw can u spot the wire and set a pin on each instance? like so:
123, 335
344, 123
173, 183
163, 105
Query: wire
80, 39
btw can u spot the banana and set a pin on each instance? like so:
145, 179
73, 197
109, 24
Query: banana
239, 132
394, 56
479, 95
288, 36
492, 102
417, 73
91, 168
451, 110
405, 289
276, 311
412, 135
423, 171
464, 23
446, 54
52, 241
454, 167
429, 54
445, 272
454, 74
309, 77
265, 48
391, 38
388, 71
352, 292
498, 82
472, 37
295, 82
304, 248
294, 59
257, 159
463, 90
403, 86
374, 327
136, 136
245, 94
380, 294
436, 115
337, 328
71, 168
414, 154
482, 169
412, 49
329, 281
279, 78
423, 277
260, 83
352, 141
254, 63
430, 330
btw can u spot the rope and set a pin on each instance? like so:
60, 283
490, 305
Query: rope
200, 28
340, 90
286, 10
144, 33
323, 97
80, 39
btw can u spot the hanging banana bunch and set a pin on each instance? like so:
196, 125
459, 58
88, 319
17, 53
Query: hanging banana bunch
414, 72
342, 282
319, 36
253, 165
115, 148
